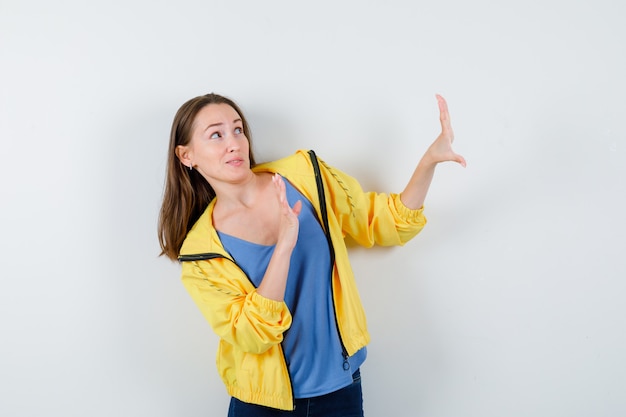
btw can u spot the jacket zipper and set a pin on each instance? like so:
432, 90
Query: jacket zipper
202, 257
322, 200
344, 351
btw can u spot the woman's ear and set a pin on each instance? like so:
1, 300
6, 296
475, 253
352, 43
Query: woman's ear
184, 155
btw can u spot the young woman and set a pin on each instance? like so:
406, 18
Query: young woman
263, 256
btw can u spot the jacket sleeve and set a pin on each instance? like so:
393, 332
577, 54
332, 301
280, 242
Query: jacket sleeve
368, 217
235, 311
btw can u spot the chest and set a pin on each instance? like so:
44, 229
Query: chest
258, 226
309, 255
258, 223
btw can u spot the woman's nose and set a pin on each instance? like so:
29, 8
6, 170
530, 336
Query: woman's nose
232, 144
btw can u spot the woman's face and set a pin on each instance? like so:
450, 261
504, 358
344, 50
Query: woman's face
218, 148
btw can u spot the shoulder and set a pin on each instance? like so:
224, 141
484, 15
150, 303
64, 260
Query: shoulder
292, 163
297, 169
201, 237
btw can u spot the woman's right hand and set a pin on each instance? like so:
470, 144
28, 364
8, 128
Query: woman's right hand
275, 279
289, 224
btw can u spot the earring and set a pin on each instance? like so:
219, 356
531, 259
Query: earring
190, 167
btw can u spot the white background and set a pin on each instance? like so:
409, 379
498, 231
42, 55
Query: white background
510, 302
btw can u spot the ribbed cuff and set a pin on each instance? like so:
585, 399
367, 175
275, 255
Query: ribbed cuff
410, 215
272, 306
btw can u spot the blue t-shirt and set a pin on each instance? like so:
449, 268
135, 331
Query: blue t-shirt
312, 345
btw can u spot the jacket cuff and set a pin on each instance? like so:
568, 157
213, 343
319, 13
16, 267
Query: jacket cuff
271, 306
409, 215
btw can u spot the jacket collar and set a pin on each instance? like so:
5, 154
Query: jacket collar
202, 239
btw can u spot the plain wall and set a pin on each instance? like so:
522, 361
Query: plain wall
509, 303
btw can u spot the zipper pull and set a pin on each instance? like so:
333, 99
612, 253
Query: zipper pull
346, 363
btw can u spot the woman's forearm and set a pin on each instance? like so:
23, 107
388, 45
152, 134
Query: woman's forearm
274, 281
414, 194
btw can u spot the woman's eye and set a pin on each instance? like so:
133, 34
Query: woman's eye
215, 135
238, 130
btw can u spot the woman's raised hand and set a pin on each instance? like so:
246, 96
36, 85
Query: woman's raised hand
289, 224
275, 279
441, 148
416, 190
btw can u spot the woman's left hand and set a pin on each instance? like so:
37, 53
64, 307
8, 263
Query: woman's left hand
441, 148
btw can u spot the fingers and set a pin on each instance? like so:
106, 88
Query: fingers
458, 158
281, 193
297, 208
444, 115
279, 186
447, 135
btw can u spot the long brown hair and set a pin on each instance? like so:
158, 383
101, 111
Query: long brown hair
187, 193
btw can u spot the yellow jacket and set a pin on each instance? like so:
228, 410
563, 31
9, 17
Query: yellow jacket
250, 360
